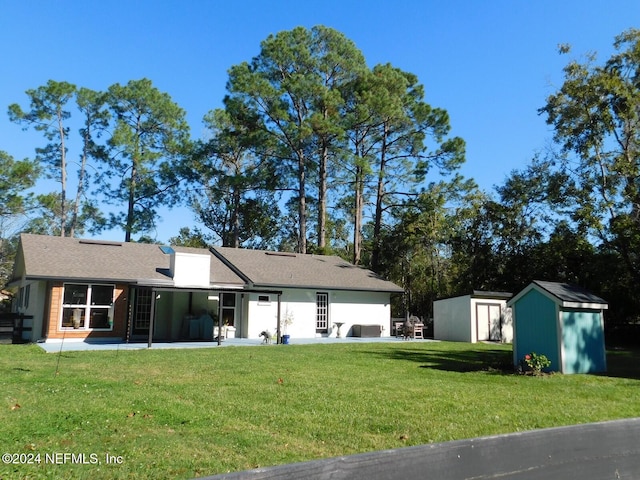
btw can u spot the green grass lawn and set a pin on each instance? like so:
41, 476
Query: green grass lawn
188, 413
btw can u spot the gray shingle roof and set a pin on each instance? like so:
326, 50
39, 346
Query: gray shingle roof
270, 269
495, 295
67, 258
570, 293
47, 257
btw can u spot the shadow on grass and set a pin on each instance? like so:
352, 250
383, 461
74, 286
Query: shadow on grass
492, 361
623, 362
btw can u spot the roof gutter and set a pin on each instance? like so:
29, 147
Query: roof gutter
328, 287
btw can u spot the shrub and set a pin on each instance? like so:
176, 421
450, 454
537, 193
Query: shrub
534, 363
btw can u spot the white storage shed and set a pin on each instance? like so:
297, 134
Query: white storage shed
480, 316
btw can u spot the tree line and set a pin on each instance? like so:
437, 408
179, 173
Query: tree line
313, 151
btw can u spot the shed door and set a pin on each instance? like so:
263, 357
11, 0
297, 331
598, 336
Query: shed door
488, 321
495, 323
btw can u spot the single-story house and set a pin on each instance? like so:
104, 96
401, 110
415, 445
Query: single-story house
477, 317
94, 289
563, 322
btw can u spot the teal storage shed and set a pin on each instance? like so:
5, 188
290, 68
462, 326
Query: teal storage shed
562, 321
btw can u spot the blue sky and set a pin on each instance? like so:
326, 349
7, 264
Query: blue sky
490, 64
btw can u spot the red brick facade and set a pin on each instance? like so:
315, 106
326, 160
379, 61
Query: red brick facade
52, 320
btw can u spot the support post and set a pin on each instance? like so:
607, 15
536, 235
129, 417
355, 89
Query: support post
278, 326
220, 294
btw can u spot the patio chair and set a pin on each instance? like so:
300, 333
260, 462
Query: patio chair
399, 329
418, 330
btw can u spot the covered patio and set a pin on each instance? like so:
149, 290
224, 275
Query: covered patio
192, 315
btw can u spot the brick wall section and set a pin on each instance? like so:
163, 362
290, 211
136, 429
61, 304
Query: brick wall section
119, 316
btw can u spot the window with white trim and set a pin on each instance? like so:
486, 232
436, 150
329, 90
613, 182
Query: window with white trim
322, 312
87, 306
228, 309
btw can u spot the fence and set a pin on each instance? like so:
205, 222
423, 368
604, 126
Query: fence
12, 326
582, 452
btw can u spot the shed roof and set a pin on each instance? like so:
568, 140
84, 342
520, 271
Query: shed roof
480, 294
570, 293
275, 269
497, 295
567, 295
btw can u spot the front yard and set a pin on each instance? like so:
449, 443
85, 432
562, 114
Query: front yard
187, 413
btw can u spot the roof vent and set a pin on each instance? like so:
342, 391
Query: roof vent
100, 242
280, 254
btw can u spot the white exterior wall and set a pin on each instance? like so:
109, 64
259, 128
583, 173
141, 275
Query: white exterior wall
452, 319
301, 304
360, 308
507, 324
363, 308
190, 270
258, 316
36, 306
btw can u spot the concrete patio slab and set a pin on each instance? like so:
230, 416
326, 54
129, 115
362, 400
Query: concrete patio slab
75, 345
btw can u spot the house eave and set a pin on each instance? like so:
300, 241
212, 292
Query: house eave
326, 287
587, 306
54, 278
141, 282
169, 284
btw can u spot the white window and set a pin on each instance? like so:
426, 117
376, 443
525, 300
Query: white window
322, 312
23, 296
87, 306
229, 309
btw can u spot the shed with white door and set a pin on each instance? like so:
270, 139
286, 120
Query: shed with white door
480, 316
